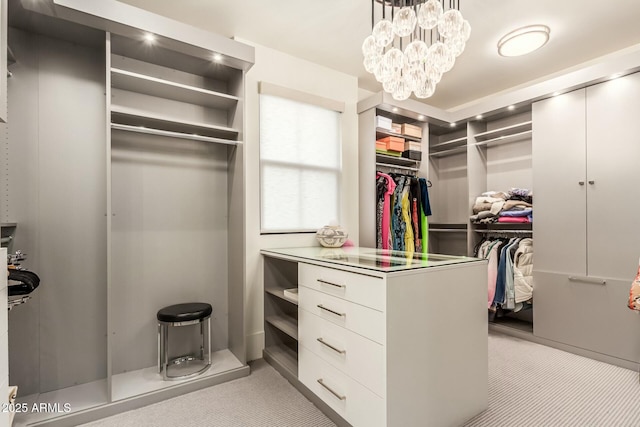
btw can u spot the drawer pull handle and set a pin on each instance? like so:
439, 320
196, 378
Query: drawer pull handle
330, 284
321, 382
322, 307
337, 350
588, 280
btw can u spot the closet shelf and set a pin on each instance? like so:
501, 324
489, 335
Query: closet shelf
285, 324
504, 131
381, 133
450, 152
148, 85
278, 292
448, 228
402, 161
504, 139
284, 356
170, 134
504, 226
450, 142
134, 117
389, 165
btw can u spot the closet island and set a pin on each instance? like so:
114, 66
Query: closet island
378, 337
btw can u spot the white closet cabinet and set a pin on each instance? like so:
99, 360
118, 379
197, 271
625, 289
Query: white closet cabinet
585, 152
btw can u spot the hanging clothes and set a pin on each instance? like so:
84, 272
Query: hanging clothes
406, 216
397, 221
383, 222
425, 211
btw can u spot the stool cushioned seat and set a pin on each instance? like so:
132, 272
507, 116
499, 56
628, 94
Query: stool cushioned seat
185, 312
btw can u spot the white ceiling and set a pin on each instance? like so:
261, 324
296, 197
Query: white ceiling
330, 33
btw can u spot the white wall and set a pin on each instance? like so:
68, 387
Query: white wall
284, 70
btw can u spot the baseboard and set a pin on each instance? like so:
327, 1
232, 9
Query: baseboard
529, 336
115, 408
255, 345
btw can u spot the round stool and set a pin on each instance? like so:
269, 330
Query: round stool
192, 313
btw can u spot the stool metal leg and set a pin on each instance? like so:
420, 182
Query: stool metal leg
202, 341
165, 352
209, 340
159, 349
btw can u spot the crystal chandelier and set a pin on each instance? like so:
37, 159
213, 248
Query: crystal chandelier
410, 48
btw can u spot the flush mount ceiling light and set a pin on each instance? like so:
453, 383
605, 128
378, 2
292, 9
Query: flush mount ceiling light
523, 40
410, 48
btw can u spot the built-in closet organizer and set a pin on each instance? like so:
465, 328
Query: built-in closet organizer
126, 167
587, 198
366, 343
499, 158
448, 173
369, 161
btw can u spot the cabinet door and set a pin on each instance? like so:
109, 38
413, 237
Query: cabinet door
613, 199
586, 314
559, 223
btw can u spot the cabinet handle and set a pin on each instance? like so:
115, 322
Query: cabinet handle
322, 307
321, 382
588, 280
591, 182
581, 182
337, 350
329, 283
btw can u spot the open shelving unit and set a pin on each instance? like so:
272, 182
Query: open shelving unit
281, 315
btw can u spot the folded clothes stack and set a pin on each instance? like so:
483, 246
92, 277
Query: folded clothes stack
497, 206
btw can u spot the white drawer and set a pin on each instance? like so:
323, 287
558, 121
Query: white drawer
365, 290
358, 357
355, 403
361, 320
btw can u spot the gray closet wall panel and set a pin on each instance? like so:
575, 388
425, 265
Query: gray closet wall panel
72, 230
169, 239
509, 165
20, 203
449, 179
613, 200
558, 134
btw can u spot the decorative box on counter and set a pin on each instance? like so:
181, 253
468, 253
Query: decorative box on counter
383, 123
381, 145
412, 145
411, 130
412, 154
393, 143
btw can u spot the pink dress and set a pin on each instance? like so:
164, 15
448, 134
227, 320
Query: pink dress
386, 213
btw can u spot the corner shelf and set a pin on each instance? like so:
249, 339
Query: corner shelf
284, 356
507, 131
451, 152
148, 85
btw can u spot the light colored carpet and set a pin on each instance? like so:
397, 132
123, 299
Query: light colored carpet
529, 385
263, 399
538, 386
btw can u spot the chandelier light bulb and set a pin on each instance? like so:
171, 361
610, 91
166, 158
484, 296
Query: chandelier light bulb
415, 54
429, 14
450, 23
466, 30
425, 88
403, 90
404, 22
370, 47
383, 33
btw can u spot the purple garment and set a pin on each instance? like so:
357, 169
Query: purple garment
524, 212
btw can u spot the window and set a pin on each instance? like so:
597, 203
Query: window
300, 162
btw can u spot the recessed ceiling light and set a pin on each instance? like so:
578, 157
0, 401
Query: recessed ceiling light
217, 57
420, 117
149, 38
523, 40
511, 107
479, 117
394, 109
452, 124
